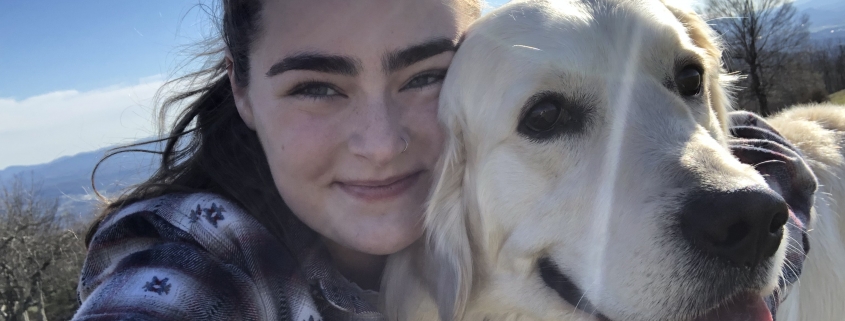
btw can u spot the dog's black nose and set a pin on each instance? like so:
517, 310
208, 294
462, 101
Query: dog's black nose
744, 226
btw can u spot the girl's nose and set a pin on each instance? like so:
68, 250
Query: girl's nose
378, 135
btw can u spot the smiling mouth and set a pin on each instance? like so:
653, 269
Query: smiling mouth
743, 307
376, 190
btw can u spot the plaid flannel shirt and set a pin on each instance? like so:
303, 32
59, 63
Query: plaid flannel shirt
201, 257
757, 143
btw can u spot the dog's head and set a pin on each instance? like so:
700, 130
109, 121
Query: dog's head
586, 171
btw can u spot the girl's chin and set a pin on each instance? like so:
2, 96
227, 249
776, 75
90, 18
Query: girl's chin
382, 250
377, 242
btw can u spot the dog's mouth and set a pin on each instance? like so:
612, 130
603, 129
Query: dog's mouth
743, 307
567, 289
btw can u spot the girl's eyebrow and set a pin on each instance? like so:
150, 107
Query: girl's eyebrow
348, 66
316, 61
402, 58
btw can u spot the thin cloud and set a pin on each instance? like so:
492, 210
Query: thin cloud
44, 127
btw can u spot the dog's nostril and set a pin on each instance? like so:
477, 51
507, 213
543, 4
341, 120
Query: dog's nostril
778, 222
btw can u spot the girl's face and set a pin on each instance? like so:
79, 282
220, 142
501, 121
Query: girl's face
336, 89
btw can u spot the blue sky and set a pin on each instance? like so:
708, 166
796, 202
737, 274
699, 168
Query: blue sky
84, 45
80, 75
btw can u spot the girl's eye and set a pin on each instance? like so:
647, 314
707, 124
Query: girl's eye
425, 80
314, 90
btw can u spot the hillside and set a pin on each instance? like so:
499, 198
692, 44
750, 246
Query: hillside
838, 97
827, 18
69, 178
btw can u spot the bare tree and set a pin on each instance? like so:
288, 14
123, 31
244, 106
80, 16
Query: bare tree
40, 256
828, 59
764, 36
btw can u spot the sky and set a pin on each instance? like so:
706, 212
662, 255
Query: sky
80, 75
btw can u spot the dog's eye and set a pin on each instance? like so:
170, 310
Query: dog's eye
548, 115
542, 117
689, 81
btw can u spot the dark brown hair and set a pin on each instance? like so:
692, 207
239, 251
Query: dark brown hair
208, 147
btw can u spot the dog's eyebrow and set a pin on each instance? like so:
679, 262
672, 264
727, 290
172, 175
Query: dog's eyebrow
402, 58
319, 62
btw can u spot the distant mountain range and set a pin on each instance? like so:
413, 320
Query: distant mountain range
827, 18
69, 178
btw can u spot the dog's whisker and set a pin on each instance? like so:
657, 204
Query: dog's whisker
527, 47
771, 161
577, 304
792, 247
793, 224
793, 269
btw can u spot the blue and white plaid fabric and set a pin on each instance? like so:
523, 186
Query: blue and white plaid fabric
200, 257
757, 143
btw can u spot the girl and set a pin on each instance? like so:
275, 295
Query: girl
300, 161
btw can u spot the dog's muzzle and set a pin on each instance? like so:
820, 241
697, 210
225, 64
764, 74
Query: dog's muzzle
755, 143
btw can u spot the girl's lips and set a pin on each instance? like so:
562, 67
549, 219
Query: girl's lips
376, 190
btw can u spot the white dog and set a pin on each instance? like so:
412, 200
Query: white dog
587, 177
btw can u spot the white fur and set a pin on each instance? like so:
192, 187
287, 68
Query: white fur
598, 202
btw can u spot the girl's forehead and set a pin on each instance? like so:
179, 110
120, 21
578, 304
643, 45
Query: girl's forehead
363, 28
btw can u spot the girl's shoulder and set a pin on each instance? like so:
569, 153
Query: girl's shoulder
187, 211
208, 221
189, 256
177, 254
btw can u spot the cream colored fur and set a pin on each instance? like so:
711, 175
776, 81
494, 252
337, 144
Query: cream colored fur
819, 132
600, 202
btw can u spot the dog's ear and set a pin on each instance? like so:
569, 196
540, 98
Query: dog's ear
719, 83
449, 260
441, 262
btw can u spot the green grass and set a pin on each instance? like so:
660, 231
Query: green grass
838, 97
